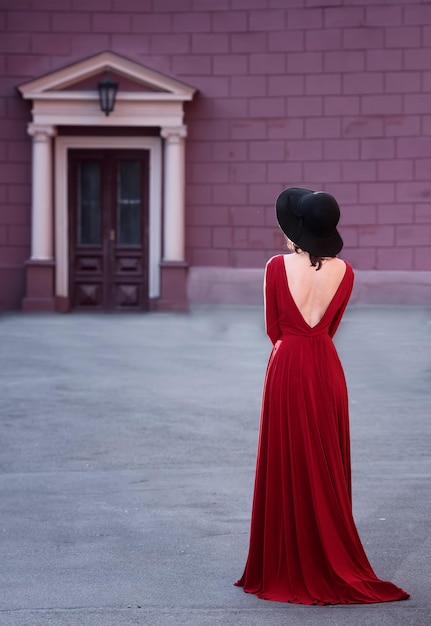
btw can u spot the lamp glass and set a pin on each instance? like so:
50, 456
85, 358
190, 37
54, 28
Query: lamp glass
107, 88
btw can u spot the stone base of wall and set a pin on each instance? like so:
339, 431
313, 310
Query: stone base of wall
12, 285
391, 287
224, 285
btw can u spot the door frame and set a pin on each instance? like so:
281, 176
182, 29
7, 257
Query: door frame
61, 240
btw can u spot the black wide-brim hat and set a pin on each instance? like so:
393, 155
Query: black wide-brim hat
309, 219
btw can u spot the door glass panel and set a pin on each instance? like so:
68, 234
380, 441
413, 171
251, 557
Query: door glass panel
89, 214
129, 203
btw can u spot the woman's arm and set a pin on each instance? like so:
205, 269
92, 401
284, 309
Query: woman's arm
337, 318
272, 326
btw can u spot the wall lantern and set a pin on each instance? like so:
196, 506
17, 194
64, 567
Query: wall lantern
107, 89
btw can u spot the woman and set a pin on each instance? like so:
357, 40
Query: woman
304, 546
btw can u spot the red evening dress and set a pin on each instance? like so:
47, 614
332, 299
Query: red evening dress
304, 545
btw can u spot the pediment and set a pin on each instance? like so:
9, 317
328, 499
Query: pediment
81, 78
125, 83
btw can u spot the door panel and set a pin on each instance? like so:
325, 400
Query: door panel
89, 203
108, 218
129, 203
88, 264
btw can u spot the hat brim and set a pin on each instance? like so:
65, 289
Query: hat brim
288, 217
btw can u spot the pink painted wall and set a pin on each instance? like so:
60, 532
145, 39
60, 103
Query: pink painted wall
334, 97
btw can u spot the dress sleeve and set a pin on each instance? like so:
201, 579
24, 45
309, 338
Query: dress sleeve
272, 326
338, 316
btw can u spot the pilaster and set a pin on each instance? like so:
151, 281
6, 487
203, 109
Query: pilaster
39, 293
173, 267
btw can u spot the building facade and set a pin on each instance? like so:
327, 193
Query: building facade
169, 198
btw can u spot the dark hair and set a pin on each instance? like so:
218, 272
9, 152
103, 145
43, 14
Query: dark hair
316, 261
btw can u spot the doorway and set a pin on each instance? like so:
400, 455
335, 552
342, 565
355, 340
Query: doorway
108, 229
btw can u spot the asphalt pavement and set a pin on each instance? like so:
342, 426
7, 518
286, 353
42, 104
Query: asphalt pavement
127, 453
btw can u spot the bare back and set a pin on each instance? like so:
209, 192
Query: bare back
312, 290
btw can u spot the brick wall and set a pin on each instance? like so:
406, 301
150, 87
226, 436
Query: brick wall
333, 96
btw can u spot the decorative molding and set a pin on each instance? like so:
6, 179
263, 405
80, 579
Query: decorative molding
55, 105
45, 131
173, 132
50, 85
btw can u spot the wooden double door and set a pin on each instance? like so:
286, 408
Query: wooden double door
108, 230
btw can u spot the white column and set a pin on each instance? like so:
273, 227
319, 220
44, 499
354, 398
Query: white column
41, 202
174, 194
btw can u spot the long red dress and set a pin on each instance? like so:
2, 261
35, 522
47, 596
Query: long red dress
304, 546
